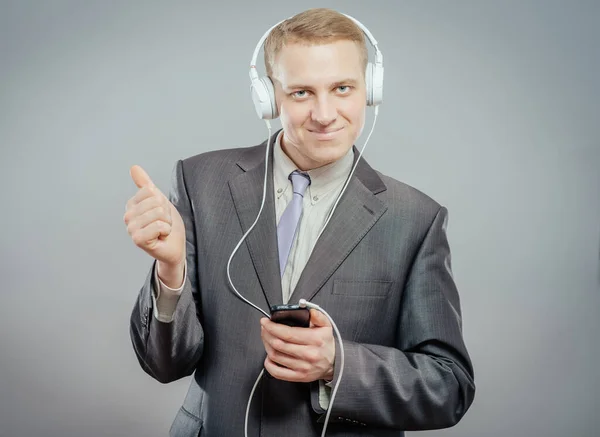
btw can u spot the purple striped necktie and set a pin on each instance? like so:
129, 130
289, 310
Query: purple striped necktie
288, 223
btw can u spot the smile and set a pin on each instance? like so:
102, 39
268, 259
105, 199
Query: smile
325, 134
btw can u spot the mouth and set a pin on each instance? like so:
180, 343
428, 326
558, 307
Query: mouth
326, 134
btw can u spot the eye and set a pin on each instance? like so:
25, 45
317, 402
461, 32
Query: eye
343, 89
299, 94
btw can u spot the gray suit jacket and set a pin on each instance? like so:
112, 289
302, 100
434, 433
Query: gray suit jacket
382, 271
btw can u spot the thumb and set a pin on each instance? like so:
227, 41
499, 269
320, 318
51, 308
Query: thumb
140, 177
318, 319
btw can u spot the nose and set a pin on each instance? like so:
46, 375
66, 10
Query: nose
324, 112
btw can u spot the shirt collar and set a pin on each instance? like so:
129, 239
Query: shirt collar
322, 179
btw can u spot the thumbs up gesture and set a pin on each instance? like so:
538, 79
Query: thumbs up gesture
156, 227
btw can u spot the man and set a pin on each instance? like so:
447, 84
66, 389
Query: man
381, 269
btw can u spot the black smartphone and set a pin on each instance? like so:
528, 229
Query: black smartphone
291, 315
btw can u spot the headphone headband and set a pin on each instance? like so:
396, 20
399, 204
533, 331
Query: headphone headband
370, 37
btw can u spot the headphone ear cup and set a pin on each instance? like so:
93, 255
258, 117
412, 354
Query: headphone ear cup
263, 96
377, 84
374, 84
369, 83
271, 90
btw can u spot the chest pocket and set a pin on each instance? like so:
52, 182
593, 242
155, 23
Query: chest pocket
365, 310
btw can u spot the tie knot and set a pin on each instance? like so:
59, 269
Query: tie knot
299, 182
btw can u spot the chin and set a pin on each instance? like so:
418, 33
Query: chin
328, 152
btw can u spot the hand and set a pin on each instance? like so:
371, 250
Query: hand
155, 226
299, 354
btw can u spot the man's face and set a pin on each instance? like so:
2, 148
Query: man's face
320, 92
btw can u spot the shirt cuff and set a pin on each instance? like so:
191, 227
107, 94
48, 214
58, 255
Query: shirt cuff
164, 298
324, 393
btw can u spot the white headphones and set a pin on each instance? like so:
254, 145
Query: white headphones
263, 92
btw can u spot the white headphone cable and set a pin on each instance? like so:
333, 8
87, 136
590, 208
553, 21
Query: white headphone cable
303, 302
350, 176
262, 204
250, 401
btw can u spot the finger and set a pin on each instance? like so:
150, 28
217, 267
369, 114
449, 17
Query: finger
283, 373
140, 177
318, 319
137, 209
148, 237
142, 194
302, 355
290, 334
285, 360
154, 202
281, 346
308, 361
155, 214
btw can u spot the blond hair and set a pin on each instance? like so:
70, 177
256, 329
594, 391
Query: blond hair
314, 26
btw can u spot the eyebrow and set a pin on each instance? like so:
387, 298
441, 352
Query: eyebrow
349, 81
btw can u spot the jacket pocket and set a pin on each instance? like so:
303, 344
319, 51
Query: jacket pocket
361, 288
185, 425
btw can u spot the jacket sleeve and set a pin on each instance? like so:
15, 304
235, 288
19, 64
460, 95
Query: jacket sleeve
427, 381
168, 351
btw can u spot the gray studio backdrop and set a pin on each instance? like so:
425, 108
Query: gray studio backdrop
491, 107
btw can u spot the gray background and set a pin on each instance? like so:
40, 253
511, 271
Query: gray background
491, 107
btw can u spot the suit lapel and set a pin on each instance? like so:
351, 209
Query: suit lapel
358, 210
247, 190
